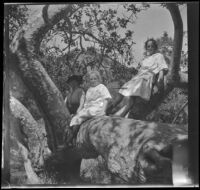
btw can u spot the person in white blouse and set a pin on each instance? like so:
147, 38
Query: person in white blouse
152, 70
95, 104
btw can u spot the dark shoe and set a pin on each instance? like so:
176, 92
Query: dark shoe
109, 110
75, 129
68, 136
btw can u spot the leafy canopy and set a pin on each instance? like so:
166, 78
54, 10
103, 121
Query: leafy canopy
101, 26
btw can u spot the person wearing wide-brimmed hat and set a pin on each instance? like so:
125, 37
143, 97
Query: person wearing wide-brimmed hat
75, 99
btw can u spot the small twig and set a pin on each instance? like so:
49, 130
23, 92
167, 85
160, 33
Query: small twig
81, 44
78, 56
179, 112
117, 88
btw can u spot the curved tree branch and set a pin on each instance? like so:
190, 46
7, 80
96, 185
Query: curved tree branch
70, 32
45, 14
178, 40
24, 48
94, 37
81, 44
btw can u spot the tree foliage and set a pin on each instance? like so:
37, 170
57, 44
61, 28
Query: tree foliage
171, 110
64, 51
17, 16
99, 27
165, 46
164, 40
77, 62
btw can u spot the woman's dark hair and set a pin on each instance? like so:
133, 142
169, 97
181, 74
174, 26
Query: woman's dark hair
154, 43
77, 78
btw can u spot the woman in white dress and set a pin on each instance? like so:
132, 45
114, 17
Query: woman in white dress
151, 71
95, 104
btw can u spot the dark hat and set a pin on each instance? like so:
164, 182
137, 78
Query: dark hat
77, 78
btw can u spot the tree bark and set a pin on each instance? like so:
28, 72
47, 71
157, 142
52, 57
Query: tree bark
24, 48
127, 143
26, 137
19, 91
28, 133
32, 178
177, 44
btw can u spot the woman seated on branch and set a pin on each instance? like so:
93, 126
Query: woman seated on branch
95, 105
151, 73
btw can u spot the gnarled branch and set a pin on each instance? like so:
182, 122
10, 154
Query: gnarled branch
24, 48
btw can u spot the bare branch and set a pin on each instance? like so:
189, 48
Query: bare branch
94, 37
81, 45
45, 14
183, 106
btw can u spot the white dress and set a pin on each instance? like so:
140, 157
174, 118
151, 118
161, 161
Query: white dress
141, 84
94, 104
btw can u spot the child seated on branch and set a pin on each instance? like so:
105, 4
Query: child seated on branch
95, 104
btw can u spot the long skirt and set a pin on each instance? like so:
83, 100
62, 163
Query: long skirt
140, 85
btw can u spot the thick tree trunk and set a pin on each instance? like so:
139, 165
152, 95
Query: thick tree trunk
29, 133
28, 145
24, 49
177, 45
19, 91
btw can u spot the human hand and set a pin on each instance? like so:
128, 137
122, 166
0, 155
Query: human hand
159, 80
160, 77
158, 88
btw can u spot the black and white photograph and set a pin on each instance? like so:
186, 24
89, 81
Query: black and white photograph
96, 94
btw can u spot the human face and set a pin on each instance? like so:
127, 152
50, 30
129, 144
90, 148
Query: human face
94, 81
150, 48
